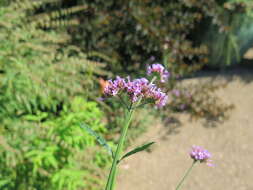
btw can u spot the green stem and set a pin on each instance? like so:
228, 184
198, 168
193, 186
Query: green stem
153, 80
123, 103
186, 174
113, 171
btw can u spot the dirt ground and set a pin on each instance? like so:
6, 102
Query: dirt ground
231, 145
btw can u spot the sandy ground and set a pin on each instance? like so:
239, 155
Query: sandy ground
231, 144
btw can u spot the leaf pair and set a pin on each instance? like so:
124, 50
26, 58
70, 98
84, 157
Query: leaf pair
103, 142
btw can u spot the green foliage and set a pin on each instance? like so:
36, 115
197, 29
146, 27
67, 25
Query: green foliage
243, 6
132, 31
44, 81
38, 69
228, 44
44, 154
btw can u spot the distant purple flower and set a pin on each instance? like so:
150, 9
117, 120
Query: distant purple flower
188, 95
152, 58
176, 92
158, 68
136, 89
200, 154
182, 106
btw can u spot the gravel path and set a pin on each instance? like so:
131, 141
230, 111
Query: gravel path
230, 143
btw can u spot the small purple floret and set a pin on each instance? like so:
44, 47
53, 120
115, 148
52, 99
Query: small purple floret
158, 68
113, 87
200, 154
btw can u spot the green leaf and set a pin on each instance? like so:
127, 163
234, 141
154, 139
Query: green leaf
4, 182
100, 139
136, 150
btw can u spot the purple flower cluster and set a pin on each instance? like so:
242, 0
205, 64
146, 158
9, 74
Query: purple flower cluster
136, 89
200, 154
158, 68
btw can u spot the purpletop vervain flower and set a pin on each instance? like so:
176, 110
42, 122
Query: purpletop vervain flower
200, 154
197, 154
158, 68
136, 89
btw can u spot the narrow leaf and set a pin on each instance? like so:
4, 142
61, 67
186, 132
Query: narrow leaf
100, 139
136, 150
